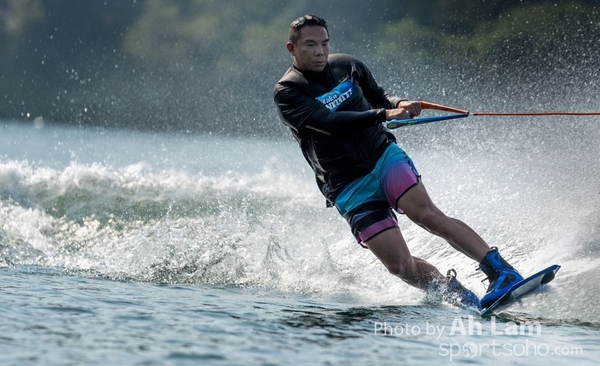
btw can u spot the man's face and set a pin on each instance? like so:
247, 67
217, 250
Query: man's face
312, 49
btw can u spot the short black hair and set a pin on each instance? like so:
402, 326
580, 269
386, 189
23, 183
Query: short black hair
305, 20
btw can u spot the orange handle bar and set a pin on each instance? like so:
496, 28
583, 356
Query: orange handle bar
439, 107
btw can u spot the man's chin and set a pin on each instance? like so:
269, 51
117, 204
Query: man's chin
318, 68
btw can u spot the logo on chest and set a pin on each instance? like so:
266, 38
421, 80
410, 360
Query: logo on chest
337, 96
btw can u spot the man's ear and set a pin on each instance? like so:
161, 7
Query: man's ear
290, 47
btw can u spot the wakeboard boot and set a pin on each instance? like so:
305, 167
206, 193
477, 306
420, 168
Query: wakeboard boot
501, 276
457, 293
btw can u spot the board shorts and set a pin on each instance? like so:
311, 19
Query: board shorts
368, 202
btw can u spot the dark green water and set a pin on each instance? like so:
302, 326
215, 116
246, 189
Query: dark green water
120, 247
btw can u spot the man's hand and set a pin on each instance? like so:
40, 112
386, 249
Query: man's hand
406, 109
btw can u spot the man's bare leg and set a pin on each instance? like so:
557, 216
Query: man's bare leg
391, 249
419, 208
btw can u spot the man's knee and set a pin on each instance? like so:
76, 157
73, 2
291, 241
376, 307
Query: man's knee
427, 217
404, 269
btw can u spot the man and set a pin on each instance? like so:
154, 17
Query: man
336, 110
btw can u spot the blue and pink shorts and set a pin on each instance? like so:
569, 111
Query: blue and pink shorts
367, 202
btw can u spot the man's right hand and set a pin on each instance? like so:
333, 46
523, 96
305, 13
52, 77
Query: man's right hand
406, 109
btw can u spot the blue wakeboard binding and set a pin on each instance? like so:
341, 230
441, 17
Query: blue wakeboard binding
501, 275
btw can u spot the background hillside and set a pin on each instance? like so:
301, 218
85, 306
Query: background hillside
210, 66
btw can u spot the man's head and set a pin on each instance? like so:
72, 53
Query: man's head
308, 43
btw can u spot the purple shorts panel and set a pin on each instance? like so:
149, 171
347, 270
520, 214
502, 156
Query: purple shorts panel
367, 202
397, 180
375, 229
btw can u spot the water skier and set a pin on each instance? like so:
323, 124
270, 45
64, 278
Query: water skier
336, 110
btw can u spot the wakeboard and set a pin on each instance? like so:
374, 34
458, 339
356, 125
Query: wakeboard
523, 287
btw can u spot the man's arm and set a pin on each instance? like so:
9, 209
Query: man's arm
396, 108
299, 112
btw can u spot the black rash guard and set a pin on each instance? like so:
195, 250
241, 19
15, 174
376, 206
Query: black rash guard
336, 116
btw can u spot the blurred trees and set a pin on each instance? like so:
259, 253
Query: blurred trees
211, 65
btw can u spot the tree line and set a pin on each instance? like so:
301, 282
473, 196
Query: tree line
208, 65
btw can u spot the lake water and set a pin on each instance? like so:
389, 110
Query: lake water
147, 248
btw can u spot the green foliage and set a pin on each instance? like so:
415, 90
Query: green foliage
484, 33
531, 29
174, 63
204, 34
17, 15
